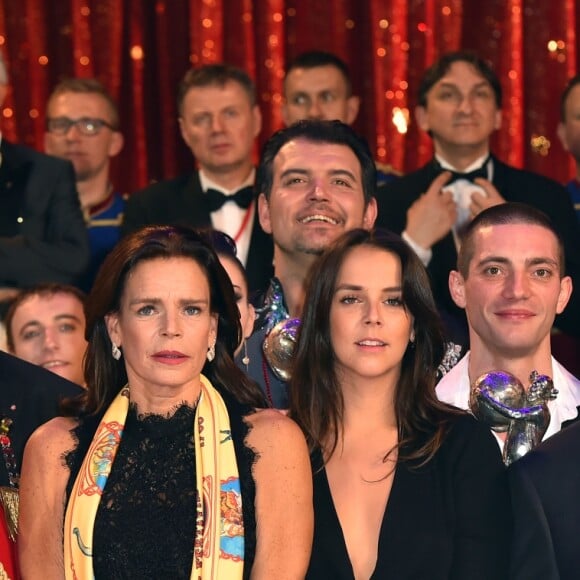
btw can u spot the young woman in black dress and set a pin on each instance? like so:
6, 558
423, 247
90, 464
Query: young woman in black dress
404, 486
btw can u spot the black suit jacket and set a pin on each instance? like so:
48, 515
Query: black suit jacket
30, 396
50, 242
544, 486
513, 184
182, 201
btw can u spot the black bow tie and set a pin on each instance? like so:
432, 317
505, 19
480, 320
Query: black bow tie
216, 199
469, 176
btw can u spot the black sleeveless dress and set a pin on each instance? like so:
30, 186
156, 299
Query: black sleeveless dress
145, 523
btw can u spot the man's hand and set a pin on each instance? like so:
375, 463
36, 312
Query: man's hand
431, 217
479, 201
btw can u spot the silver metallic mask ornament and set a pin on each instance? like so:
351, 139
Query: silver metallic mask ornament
273, 310
499, 399
279, 346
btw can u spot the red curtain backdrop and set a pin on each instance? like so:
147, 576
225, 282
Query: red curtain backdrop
141, 48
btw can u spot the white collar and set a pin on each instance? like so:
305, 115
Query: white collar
472, 167
454, 389
207, 183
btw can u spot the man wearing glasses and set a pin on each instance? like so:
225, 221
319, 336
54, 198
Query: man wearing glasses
42, 234
82, 126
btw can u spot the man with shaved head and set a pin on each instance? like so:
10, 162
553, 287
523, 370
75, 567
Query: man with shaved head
511, 282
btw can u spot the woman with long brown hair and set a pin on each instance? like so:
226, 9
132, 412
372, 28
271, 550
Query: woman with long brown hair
404, 486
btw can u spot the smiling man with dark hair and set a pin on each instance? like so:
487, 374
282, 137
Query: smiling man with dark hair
316, 181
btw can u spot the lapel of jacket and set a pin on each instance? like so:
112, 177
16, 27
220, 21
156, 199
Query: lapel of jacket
15, 192
259, 266
500, 174
15, 167
443, 250
194, 203
414, 502
425, 176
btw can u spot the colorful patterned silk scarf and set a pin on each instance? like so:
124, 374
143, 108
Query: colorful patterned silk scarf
219, 534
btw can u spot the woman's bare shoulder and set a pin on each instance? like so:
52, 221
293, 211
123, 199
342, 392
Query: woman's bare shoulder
53, 437
58, 427
273, 423
42, 498
283, 493
273, 431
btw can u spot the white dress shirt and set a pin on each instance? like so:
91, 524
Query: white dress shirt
455, 386
462, 190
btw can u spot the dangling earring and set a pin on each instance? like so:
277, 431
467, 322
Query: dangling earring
116, 352
211, 353
246, 359
412, 340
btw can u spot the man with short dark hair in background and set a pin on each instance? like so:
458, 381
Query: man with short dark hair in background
219, 121
318, 86
459, 106
45, 325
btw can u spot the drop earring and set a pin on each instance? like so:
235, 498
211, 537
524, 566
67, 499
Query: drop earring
246, 359
115, 352
210, 353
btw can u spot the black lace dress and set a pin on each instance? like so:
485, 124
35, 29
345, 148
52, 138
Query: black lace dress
145, 523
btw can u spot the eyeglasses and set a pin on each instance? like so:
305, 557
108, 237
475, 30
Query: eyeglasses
85, 125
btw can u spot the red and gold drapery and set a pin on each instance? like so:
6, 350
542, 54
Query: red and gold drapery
140, 49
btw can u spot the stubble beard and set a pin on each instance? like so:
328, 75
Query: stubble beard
304, 247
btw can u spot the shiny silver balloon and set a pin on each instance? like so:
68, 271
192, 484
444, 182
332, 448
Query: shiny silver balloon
499, 399
279, 346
